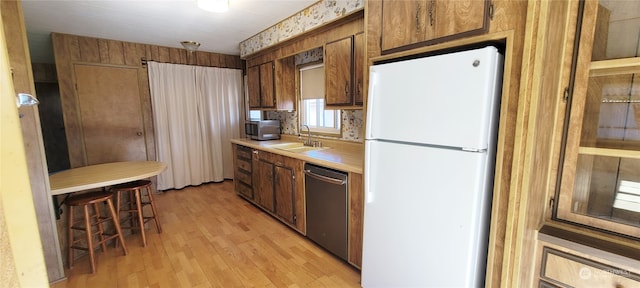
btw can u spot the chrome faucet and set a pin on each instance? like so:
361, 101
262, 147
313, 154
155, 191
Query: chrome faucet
308, 142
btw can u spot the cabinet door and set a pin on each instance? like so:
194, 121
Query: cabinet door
284, 193
338, 68
264, 192
455, 17
422, 22
267, 95
253, 86
403, 22
359, 67
286, 83
600, 185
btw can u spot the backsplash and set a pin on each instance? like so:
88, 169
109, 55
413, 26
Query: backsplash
352, 124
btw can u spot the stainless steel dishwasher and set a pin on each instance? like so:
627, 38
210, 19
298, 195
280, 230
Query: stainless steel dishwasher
327, 214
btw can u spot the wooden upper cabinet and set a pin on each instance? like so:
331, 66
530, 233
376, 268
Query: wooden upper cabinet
267, 95
406, 23
253, 86
338, 67
403, 23
359, 70
285, 73
271, 85
455, 17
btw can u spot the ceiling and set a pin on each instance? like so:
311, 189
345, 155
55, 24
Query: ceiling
158, 22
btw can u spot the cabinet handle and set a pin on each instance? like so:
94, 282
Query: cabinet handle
491, 10
346, 89
431, 13
418, 18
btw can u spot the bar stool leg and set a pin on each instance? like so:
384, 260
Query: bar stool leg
154, 210
116, 223
70, 253
96, 210
87, 223
140, 216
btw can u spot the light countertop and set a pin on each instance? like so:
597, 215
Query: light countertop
340, 156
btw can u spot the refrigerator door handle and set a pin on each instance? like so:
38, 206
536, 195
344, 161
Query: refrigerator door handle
368, 195
370, 103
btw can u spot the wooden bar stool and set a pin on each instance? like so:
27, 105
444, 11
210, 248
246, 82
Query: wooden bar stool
136, 206
88, 222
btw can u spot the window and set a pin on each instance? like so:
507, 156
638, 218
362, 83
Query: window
311, 106
255, 115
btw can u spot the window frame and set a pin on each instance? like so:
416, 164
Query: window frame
336, 131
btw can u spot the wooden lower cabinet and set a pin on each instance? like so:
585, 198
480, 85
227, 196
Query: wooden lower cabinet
284, 184
276, 184
356, 217
243, 168
264, 186
562, 266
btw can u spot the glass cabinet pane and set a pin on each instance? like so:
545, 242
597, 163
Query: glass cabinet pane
612, 113
608, 188
617, 27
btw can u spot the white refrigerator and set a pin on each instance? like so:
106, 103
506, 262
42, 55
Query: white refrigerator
429, 167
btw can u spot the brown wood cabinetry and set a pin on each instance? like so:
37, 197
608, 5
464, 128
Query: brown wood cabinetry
344, 71
267, 93
264, 192
253, 86
359, 67
338, 69
260, 85
273, 182
405, 23
564, 263
356, 218
243, 172
600, 179
285, 73
271, 85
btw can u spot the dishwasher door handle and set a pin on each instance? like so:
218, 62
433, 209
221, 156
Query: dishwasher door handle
324, 178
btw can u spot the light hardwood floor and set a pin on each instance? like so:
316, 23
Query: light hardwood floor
213, 238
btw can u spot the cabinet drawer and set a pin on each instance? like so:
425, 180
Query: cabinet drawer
244, 152
568, 270
244, 190
244, 177
244, 165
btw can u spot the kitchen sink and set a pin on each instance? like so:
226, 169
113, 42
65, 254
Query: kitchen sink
295, 147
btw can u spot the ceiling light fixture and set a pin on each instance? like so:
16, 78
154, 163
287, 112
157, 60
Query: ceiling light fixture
218, 6
191, 46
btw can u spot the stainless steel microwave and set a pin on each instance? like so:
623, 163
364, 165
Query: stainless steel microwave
263, 129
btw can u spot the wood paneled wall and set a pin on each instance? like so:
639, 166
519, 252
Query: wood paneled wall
72, 49
20, 60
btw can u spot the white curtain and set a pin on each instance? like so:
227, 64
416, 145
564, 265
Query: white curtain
196, 111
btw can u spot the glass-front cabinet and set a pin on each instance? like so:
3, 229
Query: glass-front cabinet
600, 173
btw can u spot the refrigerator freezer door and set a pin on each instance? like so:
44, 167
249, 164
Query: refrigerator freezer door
425, 217
445, 100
